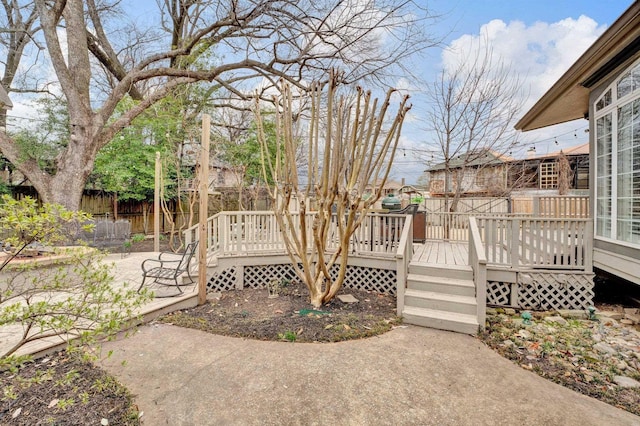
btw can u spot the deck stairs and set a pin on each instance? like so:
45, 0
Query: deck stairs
441, 296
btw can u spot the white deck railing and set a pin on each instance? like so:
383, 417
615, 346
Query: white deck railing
529, 242
452, 226
403, 258
478, 262
238, 233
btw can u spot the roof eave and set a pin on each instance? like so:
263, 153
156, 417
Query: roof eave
568, 98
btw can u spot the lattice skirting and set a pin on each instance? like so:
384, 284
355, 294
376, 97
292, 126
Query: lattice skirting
222, 280
498, 293
260, 276
357, 277
543, 291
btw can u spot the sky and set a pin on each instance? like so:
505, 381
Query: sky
539, 39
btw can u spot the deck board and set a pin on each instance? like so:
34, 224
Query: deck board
442, 252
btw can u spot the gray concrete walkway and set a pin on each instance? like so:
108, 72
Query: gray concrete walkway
409, 376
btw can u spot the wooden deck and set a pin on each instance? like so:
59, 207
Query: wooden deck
454, 253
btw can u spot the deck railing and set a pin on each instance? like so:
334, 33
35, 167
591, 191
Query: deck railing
478, 262
403, 258
237, 233
529, 243
452, 226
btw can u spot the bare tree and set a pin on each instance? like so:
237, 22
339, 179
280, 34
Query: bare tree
565, 174
354, 152
471, 116
245, 41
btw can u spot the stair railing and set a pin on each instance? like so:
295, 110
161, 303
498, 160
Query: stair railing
403, 258
478, 262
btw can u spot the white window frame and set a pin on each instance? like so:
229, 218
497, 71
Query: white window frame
612, 109
548, 175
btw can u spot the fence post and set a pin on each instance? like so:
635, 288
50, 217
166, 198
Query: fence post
536, 206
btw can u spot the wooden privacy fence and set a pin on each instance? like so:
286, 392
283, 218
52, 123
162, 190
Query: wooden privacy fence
543, 243
552, 206
478, 205
233, 233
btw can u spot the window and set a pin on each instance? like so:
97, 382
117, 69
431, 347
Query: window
604, 101
549, 175
617, 141
582, 178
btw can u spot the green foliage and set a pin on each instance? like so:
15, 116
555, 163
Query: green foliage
288, 336
126, 165
245, 154
74, 299
24, 221
45, 141
4, 189
137, 238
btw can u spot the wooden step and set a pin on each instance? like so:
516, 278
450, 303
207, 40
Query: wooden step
450, 271
442, 320
440, 301
461, 287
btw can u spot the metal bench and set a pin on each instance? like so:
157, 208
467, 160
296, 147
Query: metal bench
103, 234
166, 271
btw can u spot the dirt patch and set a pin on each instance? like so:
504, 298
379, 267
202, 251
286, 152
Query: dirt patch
64, 390
289, 317
146, 245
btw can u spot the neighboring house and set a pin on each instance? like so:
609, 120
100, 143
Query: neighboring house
543, 172
390, 187
478, 173
495, 174
603, 85
221, 176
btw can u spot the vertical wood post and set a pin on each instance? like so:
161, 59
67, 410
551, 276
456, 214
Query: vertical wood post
514, 250
156, 206
203, 210
115, 206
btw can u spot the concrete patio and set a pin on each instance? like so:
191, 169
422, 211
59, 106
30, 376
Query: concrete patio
408, 376
126, 271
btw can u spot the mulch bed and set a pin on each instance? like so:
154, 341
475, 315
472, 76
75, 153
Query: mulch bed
289, 317
63, 389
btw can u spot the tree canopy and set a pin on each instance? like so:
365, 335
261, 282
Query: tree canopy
93, 57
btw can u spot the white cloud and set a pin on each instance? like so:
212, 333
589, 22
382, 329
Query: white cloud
539, 53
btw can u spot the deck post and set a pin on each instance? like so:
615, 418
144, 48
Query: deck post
156, 204
203, 210
239, 277
587, 245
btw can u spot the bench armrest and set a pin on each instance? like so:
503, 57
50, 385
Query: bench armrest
168, 253
155, 263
